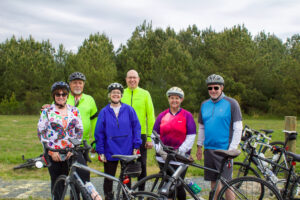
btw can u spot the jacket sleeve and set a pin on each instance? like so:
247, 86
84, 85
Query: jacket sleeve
78, 126
43, 127
150, 116
93, 118
136, 128
187, 145
100, 133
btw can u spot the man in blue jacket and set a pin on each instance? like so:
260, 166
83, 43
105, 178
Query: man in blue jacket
118, 131
220, 127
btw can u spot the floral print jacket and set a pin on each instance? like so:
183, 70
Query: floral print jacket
51, 127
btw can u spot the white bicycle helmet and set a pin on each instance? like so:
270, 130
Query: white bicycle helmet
214, 79
175, 91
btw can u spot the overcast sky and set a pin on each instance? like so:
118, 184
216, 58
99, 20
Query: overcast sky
69, 22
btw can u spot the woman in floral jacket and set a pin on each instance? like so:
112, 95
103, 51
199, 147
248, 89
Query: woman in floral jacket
57, 124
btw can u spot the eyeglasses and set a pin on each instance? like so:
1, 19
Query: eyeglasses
61, 94
215, 88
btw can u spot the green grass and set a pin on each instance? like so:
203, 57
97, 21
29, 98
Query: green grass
18, 136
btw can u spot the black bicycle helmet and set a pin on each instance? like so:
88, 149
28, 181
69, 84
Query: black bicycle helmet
214, 79
60, 85
77, 76
114, 86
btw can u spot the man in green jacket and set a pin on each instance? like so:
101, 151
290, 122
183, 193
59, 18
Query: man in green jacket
141, 101
85, 104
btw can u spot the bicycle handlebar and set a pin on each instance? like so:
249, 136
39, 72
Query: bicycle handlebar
77, 148
171, 150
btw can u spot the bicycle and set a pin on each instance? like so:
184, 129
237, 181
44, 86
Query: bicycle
73, 183
32, 162
291, 184
262, 163
164, 185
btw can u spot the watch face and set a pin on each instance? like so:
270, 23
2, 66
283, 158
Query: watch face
63, 157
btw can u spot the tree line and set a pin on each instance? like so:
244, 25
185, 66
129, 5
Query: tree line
262, 72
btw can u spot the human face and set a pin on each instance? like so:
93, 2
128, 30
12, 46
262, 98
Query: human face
215, 91
115, 96
175, 102
60, 97
132, 79
76, 86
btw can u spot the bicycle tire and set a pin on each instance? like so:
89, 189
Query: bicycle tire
241, 169
145, 195
294, 192
250, 188
66, 192
152, 182
25, 165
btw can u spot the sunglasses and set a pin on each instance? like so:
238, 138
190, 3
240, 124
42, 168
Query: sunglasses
61, 95
215, 88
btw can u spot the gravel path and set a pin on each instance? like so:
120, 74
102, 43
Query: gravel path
24, 189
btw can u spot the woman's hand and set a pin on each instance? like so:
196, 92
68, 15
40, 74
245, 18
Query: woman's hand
55, 156
69, 154
102, 158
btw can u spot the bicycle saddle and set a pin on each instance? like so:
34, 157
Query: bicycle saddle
296, 157
267, 131
126, 158
228, 153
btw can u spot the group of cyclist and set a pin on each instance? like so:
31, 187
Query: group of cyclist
125, 126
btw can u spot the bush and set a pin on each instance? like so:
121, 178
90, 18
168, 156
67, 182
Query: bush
10, 106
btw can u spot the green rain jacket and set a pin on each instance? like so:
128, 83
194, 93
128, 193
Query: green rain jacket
88, 112
141, 101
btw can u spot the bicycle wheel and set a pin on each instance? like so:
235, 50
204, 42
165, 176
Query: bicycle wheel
294, 192
241, 170
152, 183
249, 188
144, 195
28, 164
62, 191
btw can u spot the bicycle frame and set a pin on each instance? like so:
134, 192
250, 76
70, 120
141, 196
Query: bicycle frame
176, 177
73, 176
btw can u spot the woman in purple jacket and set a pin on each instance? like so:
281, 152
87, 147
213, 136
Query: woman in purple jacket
118, 131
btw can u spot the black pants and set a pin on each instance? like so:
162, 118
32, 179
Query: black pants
143, 160
110, 167
181, 194
62, 168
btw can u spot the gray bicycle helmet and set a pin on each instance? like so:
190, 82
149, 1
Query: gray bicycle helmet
214, 79
60, 85
175, 91
77, 76
114, 86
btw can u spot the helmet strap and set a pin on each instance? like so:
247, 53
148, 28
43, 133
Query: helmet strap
114, 102
60, 106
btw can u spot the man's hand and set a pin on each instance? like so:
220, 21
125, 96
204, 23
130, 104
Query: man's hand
199, 153
45, 106
148, 145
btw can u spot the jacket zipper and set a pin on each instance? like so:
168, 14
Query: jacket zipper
131, 97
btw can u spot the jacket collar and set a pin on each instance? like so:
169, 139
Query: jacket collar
219, 98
